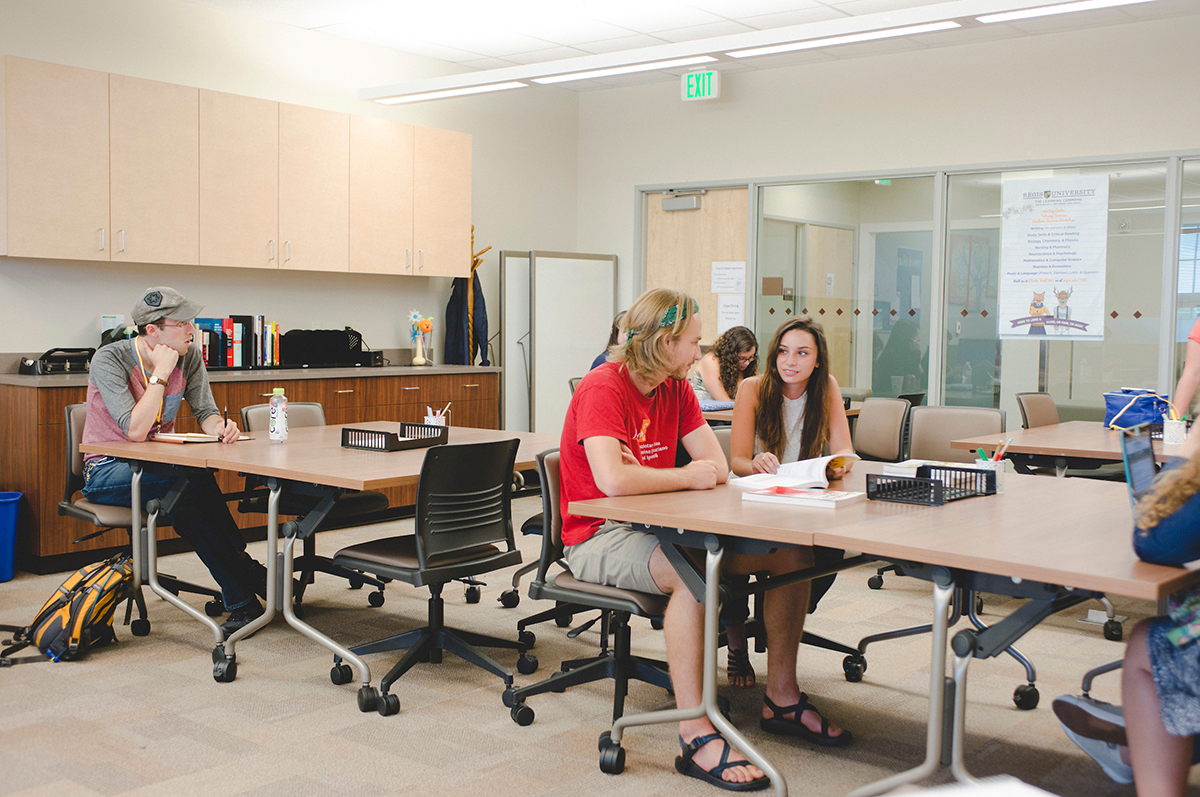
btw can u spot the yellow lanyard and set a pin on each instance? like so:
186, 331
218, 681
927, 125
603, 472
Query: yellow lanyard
138, 351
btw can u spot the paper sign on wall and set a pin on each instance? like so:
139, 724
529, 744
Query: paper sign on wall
729, 276
731, 311
1053, 252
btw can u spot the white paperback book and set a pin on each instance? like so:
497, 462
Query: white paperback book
804, 473
805, 496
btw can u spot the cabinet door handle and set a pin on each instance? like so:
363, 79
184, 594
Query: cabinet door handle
412, 388
287, 251
272, 257
101, 239
422, 266
122, 249
470, 385
343, 391
408, 260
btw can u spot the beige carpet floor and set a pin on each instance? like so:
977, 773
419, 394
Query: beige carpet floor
145, 716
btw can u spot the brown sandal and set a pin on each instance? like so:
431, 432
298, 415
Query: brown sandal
739, 667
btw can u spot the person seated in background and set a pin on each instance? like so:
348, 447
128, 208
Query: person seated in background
616, 337
619, 437
135, 388
898, 368
733, 358
1151, 741
1185, 389
793, 411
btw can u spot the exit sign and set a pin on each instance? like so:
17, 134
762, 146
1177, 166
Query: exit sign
700, 86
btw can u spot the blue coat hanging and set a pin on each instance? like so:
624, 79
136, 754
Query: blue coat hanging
462, 342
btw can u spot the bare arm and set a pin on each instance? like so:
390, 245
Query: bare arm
616, 474
1188, 380
145, 412
741, 445
228, 431
702, 444
840, 441
710, 372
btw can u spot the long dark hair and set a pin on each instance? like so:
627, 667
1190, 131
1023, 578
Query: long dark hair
768, 418
732, 343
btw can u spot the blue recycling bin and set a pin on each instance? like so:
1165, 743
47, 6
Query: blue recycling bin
10, 503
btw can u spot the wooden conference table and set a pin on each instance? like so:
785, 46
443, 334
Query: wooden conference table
984, 543
312, 460
727, 415
1074, 444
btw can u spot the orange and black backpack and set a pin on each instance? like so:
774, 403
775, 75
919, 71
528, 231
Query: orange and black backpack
78, 617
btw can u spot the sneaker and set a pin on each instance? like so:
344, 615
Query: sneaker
1091, 719
1106, 754
241, 617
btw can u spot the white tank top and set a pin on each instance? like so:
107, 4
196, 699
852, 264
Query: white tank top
793, 425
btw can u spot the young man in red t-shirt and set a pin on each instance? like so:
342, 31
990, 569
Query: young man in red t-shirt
619, 438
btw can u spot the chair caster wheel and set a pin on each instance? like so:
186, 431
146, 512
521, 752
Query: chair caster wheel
853, 667
214, 608
140, 627
225, 670
522, 715
368, 698
978, 604
472, 594
612, 756
375, 599
388, 705
341, 674
1026, 697
527, 638
527, 665
656, 623
875, 582
564, 620
356, 583
509, 697
1113, 630
509, 599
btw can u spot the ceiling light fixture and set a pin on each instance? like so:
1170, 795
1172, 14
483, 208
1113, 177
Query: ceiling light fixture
441, 95
873, 35
1062, 8
625, 70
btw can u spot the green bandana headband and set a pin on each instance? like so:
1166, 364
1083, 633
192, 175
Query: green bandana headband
669, 318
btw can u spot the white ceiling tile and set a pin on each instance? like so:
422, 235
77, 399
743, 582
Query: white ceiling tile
860, 8
709, 31
488, 63
620, 45
740, 9
488, 41
542, 56
789, 18
397, 41
646, 16
565, 28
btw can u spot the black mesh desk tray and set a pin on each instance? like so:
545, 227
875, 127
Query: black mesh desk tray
932, 486
411, 435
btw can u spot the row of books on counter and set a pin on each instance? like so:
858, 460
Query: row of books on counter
239, 341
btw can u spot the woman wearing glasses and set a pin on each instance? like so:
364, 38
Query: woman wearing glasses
733, 357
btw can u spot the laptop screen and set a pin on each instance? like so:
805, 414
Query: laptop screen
1140, 470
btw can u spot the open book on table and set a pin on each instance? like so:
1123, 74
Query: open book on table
191, 437
804, 473
804, 496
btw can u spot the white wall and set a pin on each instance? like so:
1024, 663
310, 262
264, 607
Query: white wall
524, 154
1094, 93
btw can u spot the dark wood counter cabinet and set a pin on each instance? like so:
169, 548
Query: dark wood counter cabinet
33, 457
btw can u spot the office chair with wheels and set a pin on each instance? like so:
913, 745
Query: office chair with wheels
879, 433
555, 582
256, 418
116, 517
463, 529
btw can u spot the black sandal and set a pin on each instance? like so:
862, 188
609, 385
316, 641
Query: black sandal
794, 727
686, 766
738, 666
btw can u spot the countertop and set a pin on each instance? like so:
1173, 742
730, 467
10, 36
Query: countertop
263, 374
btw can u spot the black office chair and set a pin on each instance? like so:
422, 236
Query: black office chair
108, 518
256, 418
463, 529
554, 582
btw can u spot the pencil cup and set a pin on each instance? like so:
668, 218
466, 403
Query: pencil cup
1174, 432
437, 420
997, 467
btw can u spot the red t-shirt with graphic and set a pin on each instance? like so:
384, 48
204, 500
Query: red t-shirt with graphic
606, 404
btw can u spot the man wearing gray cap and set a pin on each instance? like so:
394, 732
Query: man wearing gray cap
134, 392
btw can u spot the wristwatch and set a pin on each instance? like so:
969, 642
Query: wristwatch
154, 380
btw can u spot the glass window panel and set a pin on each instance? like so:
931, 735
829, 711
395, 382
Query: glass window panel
981, 370
858, 256
1188, 303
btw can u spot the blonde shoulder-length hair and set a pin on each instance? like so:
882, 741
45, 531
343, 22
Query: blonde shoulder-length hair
1172, 490
656, 315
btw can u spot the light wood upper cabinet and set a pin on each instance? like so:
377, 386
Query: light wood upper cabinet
239, 180
441, 203
57, 161
381, 198
314, 189
155, 171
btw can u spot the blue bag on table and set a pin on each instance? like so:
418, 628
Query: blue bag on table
1131, 406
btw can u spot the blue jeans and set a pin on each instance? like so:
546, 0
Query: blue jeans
201, 517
